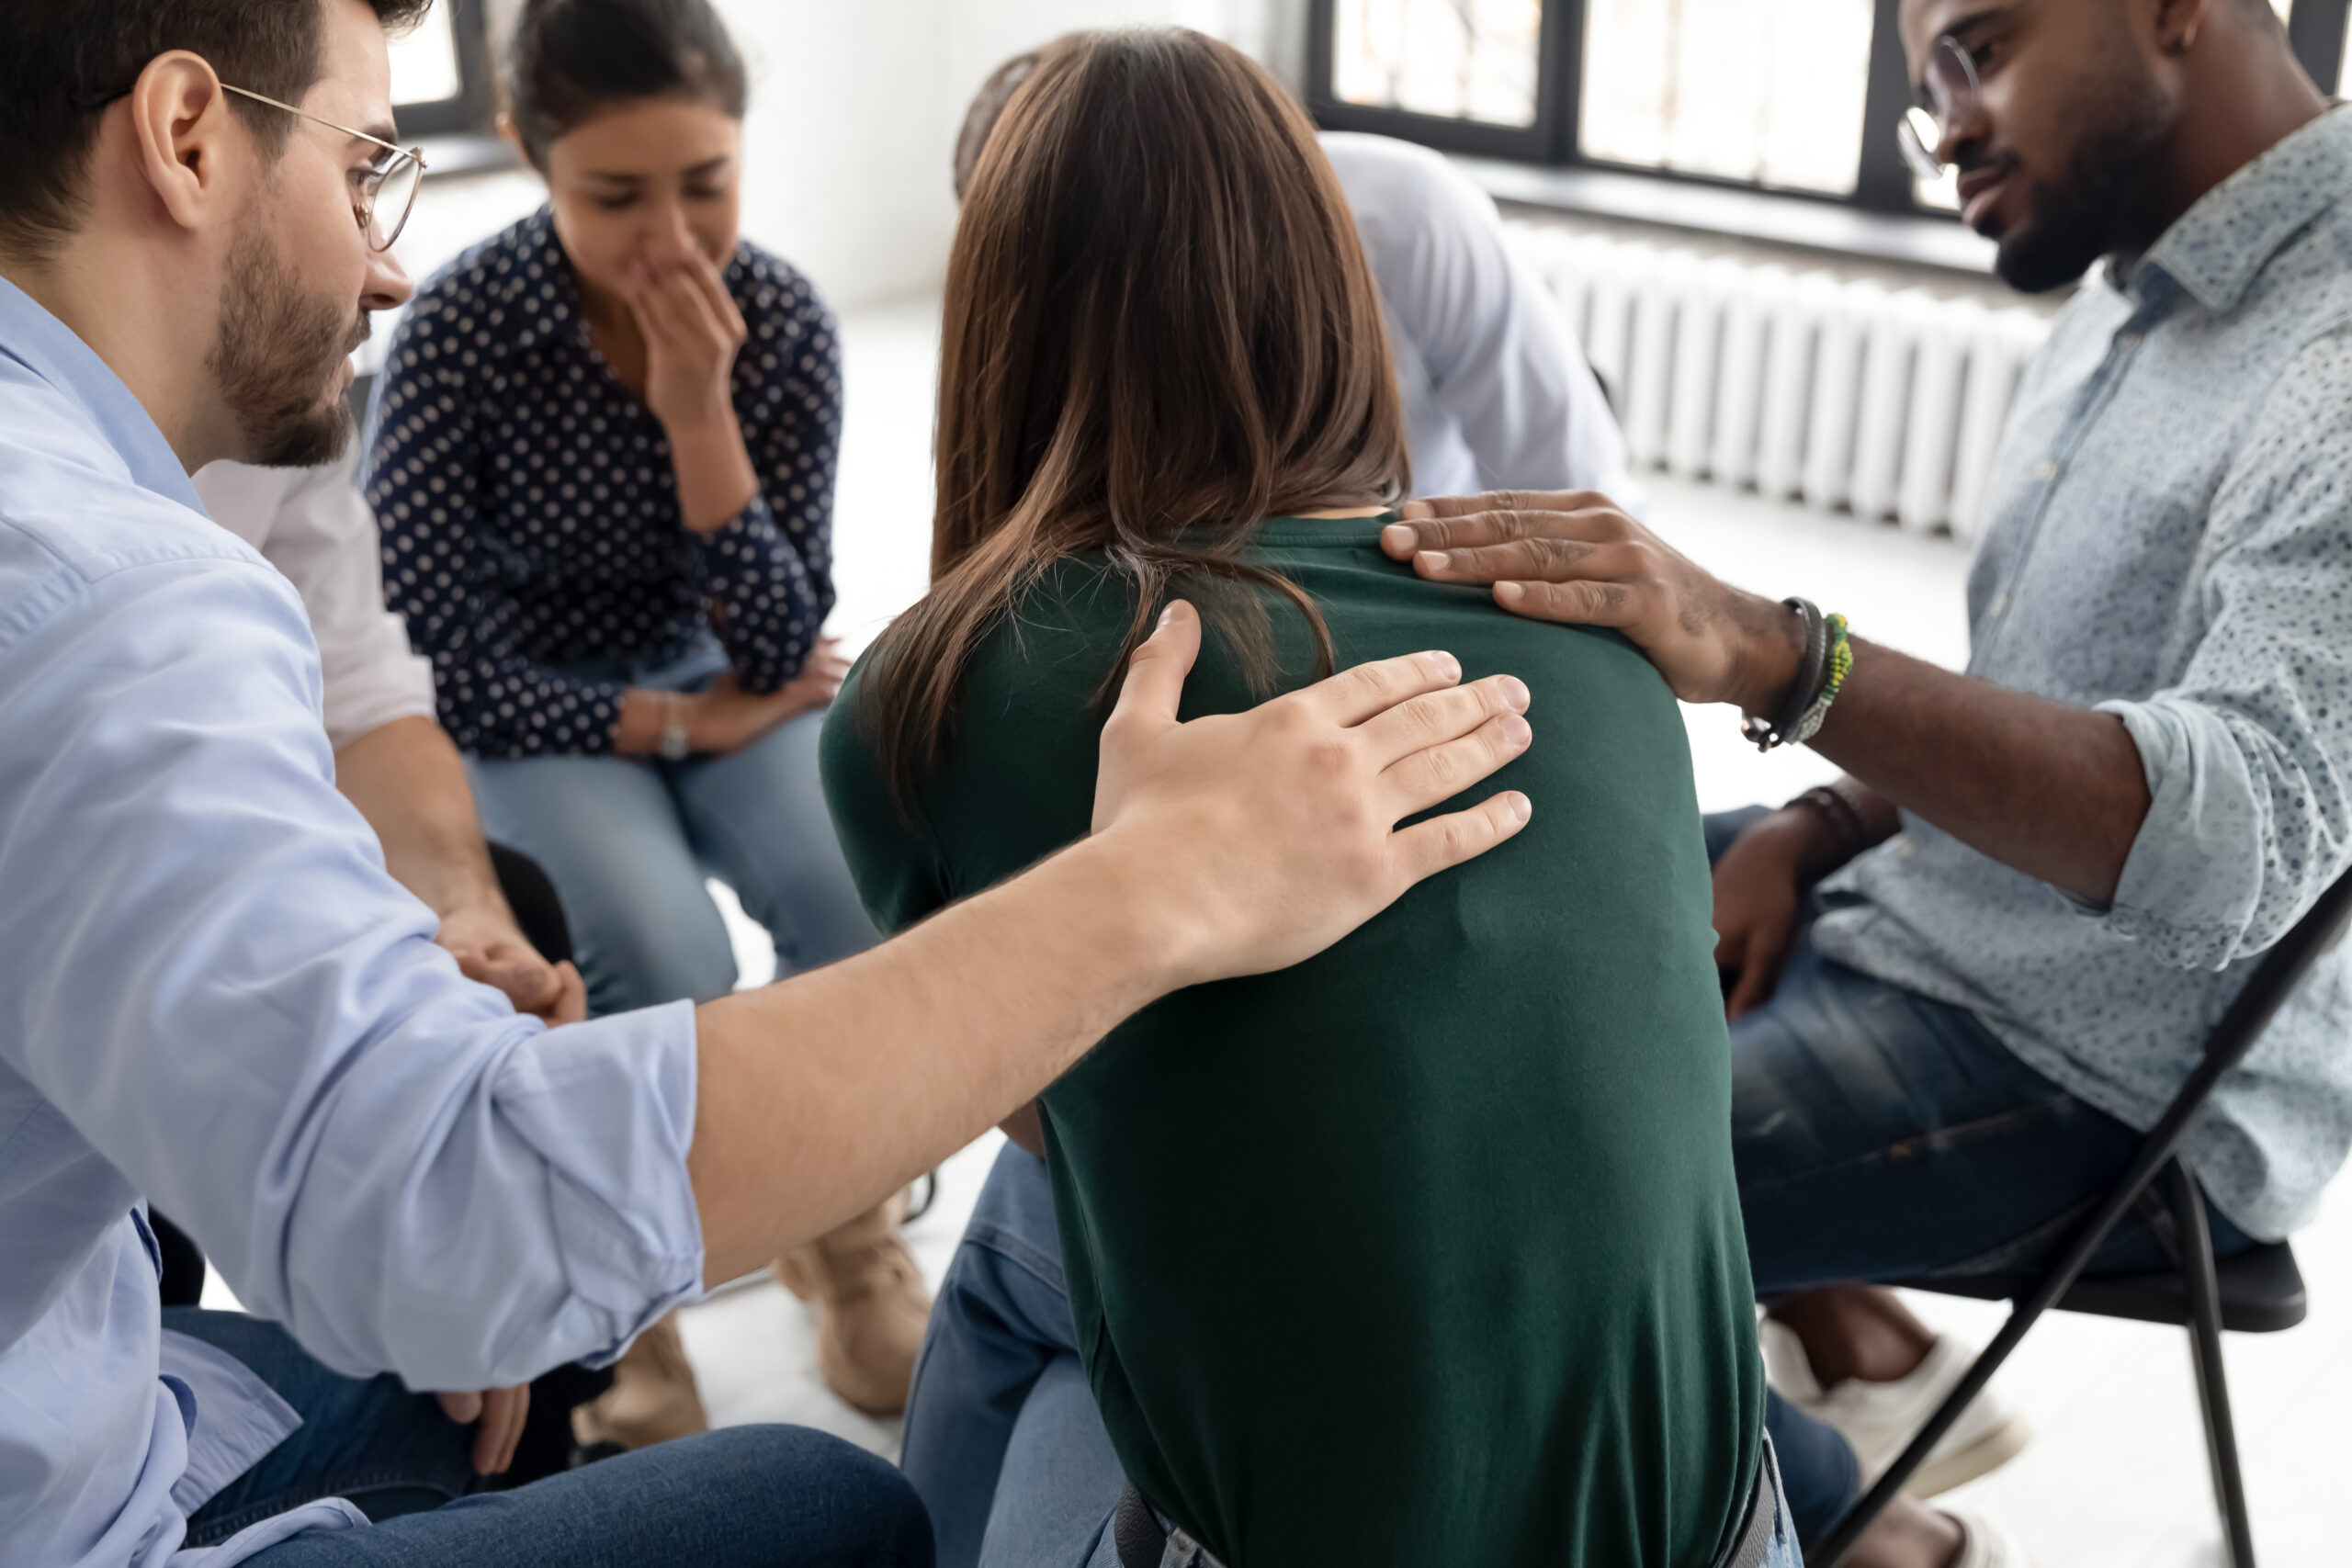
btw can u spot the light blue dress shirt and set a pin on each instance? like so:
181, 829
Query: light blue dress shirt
211, 994
2172, 543
1497, 393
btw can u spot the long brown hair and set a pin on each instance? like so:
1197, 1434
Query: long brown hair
1160, 327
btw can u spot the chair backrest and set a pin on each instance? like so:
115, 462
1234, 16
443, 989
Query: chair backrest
2275, 978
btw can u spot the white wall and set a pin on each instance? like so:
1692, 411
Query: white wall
855, 108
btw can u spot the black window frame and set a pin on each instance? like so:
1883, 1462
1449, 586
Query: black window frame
474, 108
1883, 183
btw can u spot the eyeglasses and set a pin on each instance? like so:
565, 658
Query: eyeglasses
390, 190
384, 197
1949, 87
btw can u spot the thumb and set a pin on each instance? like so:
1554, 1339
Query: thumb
464, 1408
1155, 683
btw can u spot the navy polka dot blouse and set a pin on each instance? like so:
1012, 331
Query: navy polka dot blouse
530, 511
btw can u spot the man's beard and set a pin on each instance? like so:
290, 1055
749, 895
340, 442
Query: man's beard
275, 359
2105, 201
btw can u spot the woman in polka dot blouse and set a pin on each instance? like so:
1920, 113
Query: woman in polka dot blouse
603, 460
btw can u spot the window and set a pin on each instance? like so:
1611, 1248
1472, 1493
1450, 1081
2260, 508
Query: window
1797, 96
1474, 60
1768, 92
441, 72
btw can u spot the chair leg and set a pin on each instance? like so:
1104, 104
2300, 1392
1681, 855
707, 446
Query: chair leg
2205, 1341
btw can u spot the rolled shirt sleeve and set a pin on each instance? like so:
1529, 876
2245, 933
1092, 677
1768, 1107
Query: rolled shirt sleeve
2249, 755
223, 990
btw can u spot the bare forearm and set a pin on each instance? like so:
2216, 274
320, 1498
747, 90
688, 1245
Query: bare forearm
821, 1095
715, 479
2054, 790
408, 781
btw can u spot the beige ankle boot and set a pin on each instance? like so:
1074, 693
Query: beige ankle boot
652, 1398
871, 1305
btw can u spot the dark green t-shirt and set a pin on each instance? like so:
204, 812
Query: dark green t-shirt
1426, 1251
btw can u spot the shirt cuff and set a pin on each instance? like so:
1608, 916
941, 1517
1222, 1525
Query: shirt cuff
611, 1105
2194, 876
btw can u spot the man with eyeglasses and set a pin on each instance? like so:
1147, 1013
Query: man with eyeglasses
1968, 977
212, 994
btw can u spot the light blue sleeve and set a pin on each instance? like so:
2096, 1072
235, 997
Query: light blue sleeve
209, 974
2249, 755
1502, 361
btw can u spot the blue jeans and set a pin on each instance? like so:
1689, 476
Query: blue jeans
627, 842
772, 1496
1877, 1134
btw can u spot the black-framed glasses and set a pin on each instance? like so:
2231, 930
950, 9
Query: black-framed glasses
385, 196
1949, 90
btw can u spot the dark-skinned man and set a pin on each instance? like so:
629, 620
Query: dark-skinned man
1971, 975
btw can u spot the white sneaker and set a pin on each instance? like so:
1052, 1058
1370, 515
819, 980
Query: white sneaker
1984, 1543
1880, 1418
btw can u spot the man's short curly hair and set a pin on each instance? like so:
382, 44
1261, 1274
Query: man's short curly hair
60, 61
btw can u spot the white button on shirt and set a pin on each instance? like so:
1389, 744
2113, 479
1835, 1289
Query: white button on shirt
315, 528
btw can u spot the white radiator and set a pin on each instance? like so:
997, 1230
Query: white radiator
1840, 392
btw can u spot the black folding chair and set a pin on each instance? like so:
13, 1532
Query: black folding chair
2258, 1292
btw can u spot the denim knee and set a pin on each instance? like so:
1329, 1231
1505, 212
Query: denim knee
833, 1501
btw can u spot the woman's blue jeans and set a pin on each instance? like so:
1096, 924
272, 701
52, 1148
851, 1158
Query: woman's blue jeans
1877, 1136
627, 842
742, 1497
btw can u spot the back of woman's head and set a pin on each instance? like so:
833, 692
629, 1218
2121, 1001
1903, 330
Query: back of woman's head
1160, 329
574, 60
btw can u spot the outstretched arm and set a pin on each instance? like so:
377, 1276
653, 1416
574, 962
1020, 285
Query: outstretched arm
1234, 844
2057, 792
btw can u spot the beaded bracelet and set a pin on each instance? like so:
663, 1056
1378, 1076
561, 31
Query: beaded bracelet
1841, 664
1821, 675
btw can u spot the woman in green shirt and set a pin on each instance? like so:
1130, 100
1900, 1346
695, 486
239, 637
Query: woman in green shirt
1520, 1330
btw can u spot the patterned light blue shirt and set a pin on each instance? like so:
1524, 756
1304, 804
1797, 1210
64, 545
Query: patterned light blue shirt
211, 994
2172, 543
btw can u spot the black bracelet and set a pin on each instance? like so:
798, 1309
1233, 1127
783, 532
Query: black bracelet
1811, 671
1844, 816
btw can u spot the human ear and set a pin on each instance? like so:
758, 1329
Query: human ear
2178, 22
179, 126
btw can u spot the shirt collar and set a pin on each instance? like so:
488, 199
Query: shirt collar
48, 349
2219, 245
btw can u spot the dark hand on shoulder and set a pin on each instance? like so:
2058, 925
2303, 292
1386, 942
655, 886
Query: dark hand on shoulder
1575, 557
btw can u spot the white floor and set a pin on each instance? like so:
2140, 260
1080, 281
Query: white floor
2116, 1477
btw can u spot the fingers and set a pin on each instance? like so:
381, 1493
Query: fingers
1571, 604
1439, 716
1438, 773
1759, 972
1441, 843
1358, 695
1155, 682
712, 287
464, 1408
1450, 523
504, 1410
571, 997
1544, 559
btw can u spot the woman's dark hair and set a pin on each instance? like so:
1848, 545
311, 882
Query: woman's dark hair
1161, 329
572, 59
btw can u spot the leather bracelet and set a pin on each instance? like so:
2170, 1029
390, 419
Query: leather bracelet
1765, 734
1833, 802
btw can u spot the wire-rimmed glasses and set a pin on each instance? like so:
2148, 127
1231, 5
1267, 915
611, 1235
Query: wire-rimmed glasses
1949, 89
389, 188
